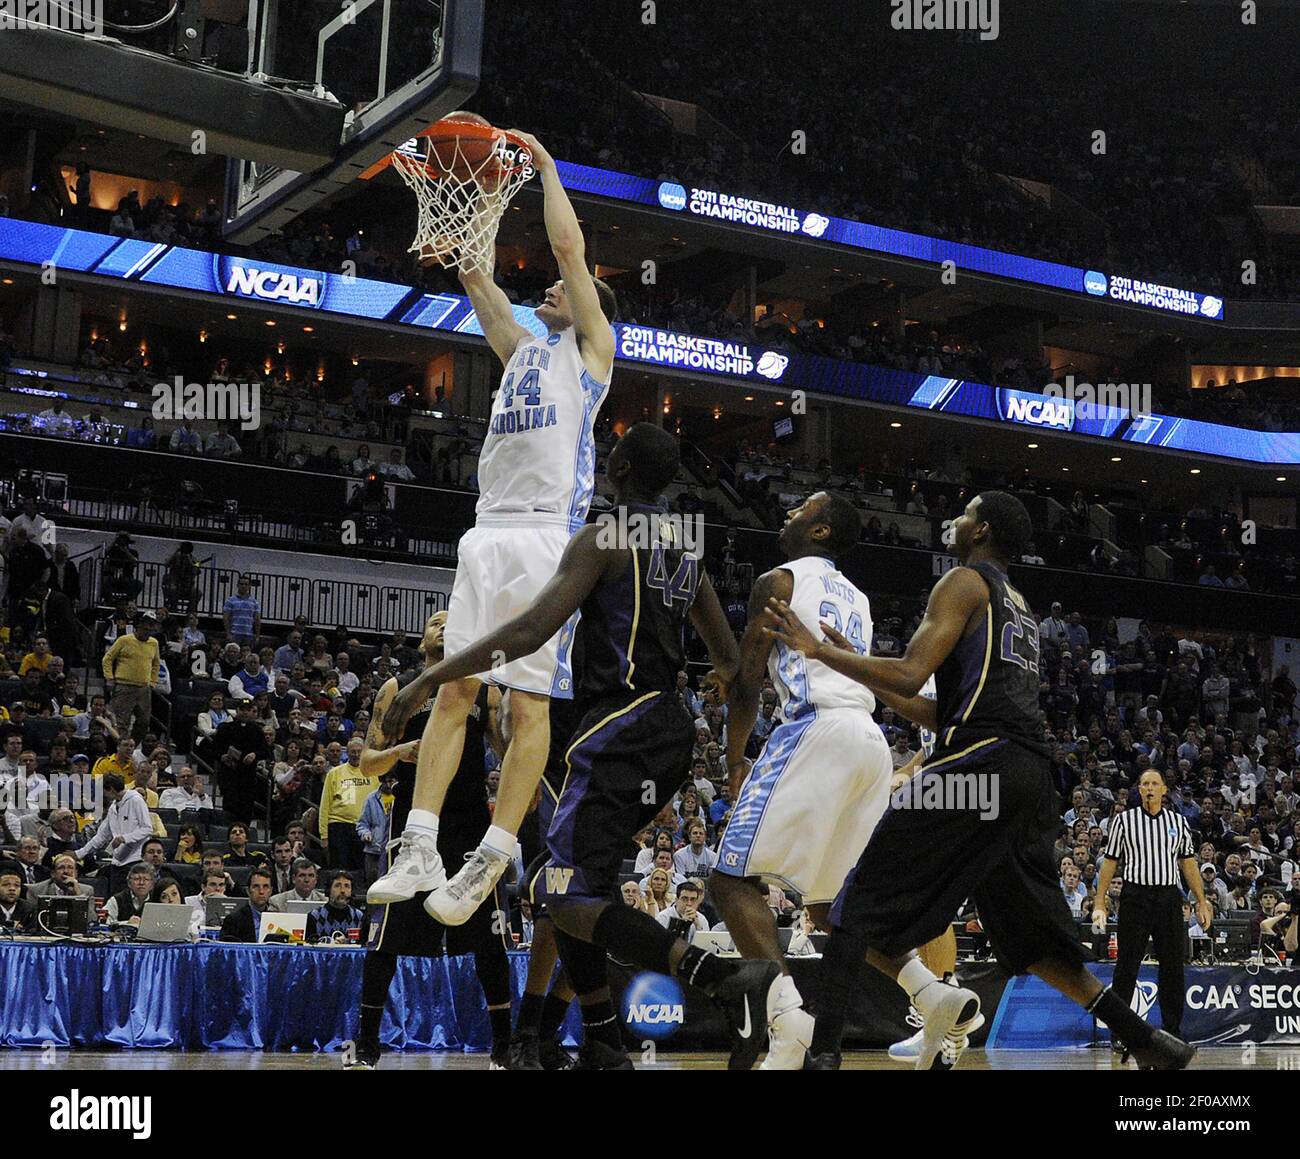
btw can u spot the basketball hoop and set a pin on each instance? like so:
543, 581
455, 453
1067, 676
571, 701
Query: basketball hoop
464, 174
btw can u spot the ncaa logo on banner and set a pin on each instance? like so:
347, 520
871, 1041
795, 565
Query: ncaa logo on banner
247, 280
654, 1006
1096, 283
672, 196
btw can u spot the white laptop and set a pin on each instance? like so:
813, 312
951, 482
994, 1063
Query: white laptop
295, 906
715, 942
293, 926
160, 922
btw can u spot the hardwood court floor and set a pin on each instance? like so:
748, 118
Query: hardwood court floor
1207, 1058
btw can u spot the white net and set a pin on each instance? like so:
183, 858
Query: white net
462, 187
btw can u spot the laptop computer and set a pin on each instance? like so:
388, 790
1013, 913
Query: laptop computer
294, 906
715, 942
292, 926
217, 909
164, 923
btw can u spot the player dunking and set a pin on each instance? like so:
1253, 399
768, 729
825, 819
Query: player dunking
536, 471
404, 928
814, 796
980, 641
632, 748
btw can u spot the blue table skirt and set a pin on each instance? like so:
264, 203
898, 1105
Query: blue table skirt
221, 996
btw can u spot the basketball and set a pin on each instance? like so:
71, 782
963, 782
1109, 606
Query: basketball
466, 155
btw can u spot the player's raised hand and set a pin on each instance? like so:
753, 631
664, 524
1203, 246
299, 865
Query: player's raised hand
780, 621
542, 160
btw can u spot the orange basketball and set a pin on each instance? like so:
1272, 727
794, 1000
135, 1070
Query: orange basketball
465, 146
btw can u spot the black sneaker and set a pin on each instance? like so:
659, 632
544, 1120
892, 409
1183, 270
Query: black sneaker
364, 1056
829, 1060
743, 998
523, 1053
596, 1055
553, 1056
1165, 1051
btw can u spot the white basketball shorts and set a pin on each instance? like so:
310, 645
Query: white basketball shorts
810, 803
499, 571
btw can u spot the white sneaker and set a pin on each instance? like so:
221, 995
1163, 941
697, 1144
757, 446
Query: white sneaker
910, 1048
789, 1036
953, 1013
417, 867
455, 902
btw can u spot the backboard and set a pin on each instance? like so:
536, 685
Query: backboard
395, 66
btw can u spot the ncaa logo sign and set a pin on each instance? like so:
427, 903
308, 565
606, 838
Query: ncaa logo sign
1036, 410
672, 196
654, 1006
271, 285
1212, 307
1096, 283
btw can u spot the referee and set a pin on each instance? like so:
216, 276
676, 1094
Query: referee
1155, 845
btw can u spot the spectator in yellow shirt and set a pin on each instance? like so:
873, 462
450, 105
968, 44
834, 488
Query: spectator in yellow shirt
131, 668
38, 658
121, 762
341, 801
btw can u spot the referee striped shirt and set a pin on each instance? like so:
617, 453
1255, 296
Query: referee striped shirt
1150, 847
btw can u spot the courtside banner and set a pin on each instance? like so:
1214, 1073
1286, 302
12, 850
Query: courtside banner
1226, 1005
274, 284
730, 208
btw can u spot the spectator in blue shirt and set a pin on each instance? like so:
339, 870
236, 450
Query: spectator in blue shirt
243, 614
721, 803
1076, 633
1210, 578
249, 680
372, 827
289, 654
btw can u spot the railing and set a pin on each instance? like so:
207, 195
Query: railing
356, 606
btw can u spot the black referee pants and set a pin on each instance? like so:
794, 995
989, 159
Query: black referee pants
1155, 912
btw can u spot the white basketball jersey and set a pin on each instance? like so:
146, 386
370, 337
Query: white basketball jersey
538, 462
821, 592
930, 692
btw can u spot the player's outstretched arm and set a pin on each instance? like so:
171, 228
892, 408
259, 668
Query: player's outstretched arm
922, 710
755, 646
956, 598
581, 568
595, 338
711, 623
494, 313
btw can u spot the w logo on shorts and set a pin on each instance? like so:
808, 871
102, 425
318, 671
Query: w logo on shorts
557, 880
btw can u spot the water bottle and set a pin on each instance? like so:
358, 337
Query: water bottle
1113, 950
